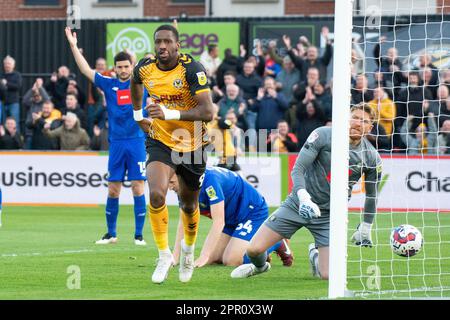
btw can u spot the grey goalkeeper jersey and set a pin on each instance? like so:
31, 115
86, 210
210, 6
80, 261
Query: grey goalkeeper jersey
312, 171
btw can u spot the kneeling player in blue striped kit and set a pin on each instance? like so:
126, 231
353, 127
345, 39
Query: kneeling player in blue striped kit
237, 211
308, 205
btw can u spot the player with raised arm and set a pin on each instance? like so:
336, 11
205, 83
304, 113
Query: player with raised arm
237, 211
127, 141
181, 106
308, 205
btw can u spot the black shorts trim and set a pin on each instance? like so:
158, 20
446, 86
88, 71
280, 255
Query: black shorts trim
189, 165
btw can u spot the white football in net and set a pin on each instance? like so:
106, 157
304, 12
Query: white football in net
406, 240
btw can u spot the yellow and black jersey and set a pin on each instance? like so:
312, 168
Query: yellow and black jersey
222, 141
175, 89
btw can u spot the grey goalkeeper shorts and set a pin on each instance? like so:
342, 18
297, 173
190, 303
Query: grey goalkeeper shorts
286, 221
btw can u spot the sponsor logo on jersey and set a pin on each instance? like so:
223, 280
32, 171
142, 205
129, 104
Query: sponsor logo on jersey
202, 79
211, 193
123, 97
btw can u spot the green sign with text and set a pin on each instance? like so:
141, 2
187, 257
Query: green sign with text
194, 37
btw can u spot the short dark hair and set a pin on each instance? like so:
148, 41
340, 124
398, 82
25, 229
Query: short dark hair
211, 47
167, 27
230, 73
72, 94
122, 56
414, 73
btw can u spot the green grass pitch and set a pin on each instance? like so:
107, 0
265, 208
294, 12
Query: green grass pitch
38, 245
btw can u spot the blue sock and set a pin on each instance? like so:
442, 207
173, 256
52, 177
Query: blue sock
112, 211
0, 199
140, 211
246, 259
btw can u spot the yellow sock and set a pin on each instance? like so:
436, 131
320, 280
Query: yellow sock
190, 224
159, 219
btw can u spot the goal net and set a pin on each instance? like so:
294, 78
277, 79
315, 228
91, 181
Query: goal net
401, 67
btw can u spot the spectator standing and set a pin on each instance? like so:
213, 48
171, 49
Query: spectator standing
250, 82
312, 59
57, 86
73, 106
270, 107
287, 78
211, 61
32, 101
100, 139
309, 117
384, 110
232, 100
361, 91
11, 84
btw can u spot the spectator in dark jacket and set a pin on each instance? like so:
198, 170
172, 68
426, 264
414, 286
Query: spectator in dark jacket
270, 107
50, 115
10, 84
74, 89
257, 59
33, 100
10, 139
312, 79
312, 59
100, 139
229, 63
232, 100
57, 86
379, 138
410, 101
73, 106
390, 65
309, 116
361, 91
250, 82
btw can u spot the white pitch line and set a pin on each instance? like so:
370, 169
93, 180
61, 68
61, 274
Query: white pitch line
34, 254
422, 289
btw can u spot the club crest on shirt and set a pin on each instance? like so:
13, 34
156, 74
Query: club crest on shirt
151, 84
312, 137
202, 79
379, 168
177, 83
211, 193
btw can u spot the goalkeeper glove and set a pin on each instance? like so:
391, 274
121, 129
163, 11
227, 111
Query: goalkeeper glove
361, 237
307, 209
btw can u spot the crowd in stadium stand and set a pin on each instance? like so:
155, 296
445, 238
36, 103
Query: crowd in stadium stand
265, 102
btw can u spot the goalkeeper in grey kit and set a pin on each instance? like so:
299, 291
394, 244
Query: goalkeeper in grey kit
308, 205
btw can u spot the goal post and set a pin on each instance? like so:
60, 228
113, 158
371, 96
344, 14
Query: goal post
340, 148
403, 74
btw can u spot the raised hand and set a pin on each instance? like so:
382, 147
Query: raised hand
287, 41
71, 38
